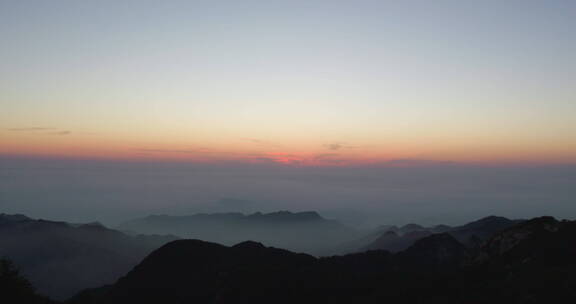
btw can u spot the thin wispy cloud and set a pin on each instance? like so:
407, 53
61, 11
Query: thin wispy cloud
173, 150
42, 130
32, 129
201, 152
260, 142
61, 133
324, 156
335, 146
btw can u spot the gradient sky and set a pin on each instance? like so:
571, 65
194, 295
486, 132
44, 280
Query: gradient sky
295, 82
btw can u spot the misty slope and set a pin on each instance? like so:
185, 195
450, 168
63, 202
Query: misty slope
531, 262
14, 288
395, 239
301, 231
395, 242
60, 258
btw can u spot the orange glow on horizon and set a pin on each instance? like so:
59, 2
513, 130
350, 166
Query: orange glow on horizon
295, 159
292, 152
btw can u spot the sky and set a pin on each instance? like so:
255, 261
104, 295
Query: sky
298, 83
370, 112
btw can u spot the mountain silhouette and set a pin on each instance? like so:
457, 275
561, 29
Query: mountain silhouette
529, 262
472, 234
298, 231
435, 253
477, 231
61, 259
394, 242
193, 271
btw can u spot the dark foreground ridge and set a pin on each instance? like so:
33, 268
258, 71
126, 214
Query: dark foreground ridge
530, 262
14, 288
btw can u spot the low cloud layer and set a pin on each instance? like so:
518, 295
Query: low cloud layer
172, 150
427, 194
417, 162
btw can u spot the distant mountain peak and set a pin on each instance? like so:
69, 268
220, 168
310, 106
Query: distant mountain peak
412, 226
13, 217
93, 225
390, 233
508, 239
287, 215
490, 219
436, 250
249, 245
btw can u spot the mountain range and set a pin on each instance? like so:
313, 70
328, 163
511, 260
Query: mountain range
395, 239
529, 262
297, 231
493, 259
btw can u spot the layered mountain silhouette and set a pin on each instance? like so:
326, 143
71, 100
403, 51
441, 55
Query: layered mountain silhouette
508, 261
299, 231
193, 271
528, 262
61, 259
396, 239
